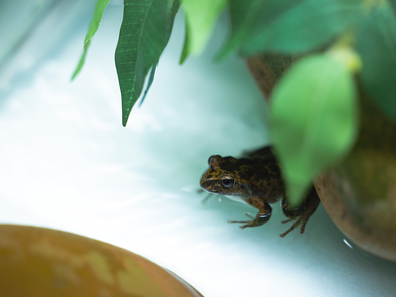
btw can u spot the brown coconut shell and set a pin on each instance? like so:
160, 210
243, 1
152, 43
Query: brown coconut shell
44, 262
359, 193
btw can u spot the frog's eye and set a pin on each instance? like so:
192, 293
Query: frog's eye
209, 160
227, 181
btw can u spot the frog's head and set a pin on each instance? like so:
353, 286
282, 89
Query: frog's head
224, 176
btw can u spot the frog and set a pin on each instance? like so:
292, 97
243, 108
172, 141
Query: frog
257, 179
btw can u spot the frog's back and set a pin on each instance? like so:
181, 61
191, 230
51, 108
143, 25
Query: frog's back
260, 167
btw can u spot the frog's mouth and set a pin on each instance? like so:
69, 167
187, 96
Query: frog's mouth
210, 186
208, 182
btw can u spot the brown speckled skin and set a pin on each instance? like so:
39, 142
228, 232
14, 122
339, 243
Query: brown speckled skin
257, 179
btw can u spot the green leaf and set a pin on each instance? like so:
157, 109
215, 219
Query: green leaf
145, 31
97, 17
314, 120
304, 27
248, 18
288, 26
150, 82
393, 4
201, 16
377, 48
186, 46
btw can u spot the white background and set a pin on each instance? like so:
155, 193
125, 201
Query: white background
67, 163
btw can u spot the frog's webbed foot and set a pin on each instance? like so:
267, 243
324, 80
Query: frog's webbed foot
247, 223
261, 218
302, 221
301, 214
251, 223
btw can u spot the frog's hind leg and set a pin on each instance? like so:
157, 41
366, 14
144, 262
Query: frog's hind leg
301, 214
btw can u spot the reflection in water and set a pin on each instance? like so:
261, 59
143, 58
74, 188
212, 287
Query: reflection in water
347, 243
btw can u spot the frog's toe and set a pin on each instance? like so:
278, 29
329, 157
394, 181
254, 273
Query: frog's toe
300, 222
247, 223
287, 221
249, 215
302, 228
238, 222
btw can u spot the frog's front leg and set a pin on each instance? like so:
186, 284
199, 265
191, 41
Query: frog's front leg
207, 197
262, 216
301, 214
